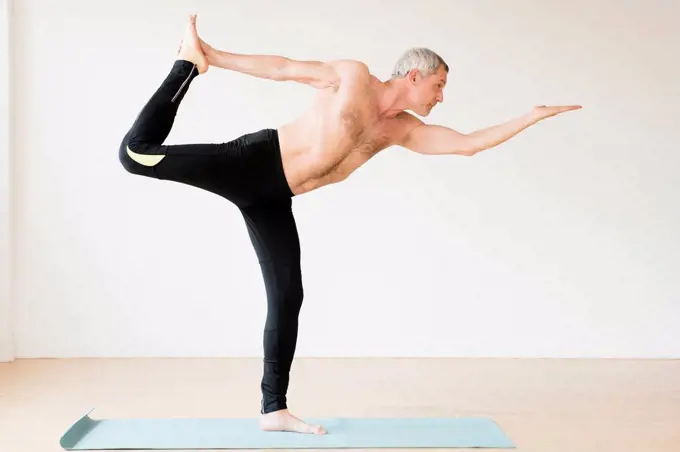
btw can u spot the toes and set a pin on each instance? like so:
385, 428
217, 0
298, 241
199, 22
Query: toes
315, 429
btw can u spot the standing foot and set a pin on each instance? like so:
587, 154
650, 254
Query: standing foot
190, 47
283, 421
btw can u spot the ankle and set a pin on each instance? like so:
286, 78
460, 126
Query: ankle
273, 404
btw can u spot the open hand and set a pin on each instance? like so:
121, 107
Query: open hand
542, 111
205, 47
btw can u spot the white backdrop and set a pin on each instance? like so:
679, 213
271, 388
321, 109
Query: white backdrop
6, 339
562, 242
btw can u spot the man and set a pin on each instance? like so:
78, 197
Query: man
353, 117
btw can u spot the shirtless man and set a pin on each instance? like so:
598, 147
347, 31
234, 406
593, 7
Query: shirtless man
353, 117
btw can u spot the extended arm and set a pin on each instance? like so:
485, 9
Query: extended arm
439, 140
274, 67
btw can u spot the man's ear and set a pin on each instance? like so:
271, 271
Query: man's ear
413, 75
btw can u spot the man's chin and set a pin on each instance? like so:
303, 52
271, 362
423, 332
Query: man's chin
422, 112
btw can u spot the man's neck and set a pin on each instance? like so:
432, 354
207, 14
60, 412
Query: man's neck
391, 97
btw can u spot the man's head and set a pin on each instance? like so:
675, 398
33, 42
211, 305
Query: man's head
424, 75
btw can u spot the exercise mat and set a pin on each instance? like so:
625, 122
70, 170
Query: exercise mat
239, 433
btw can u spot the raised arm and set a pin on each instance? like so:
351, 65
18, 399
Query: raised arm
274, 67
439, 140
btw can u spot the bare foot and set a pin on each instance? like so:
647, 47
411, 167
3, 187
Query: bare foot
283, 421
190, 47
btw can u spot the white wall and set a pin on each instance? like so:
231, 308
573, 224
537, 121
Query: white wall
561, 243
6, 338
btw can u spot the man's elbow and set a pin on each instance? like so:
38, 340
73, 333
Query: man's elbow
466, 150
450, 142
471, 152
463, 152
282, 69
469, 146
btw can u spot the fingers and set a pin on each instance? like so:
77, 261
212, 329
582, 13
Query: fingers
543, 112
557, 109
567, 108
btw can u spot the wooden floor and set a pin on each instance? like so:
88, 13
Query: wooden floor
542, 405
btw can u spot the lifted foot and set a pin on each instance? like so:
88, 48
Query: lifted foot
190, 47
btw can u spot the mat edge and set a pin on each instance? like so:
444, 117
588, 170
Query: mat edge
78, 430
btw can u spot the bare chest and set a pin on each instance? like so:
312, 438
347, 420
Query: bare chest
362, 137
344, 130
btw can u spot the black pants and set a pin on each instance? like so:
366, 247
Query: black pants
247, 171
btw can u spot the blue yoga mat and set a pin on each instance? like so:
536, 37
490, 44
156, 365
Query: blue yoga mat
93, 434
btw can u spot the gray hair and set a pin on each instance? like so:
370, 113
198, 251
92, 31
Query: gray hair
421, 58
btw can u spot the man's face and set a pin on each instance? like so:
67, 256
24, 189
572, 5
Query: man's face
428, 91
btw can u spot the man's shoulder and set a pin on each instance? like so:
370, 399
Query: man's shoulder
349, 64
407, 121
350, 68
405, 124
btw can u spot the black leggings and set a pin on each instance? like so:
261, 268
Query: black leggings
248, 172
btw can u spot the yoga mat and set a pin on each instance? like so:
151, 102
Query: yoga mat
93, 434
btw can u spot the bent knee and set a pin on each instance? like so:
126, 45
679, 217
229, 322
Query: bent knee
137, 158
